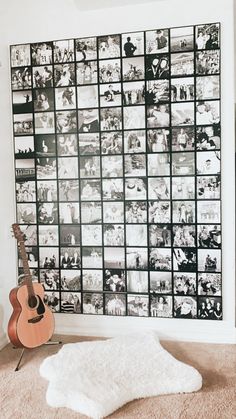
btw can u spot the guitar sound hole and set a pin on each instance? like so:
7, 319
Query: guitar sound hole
32, 301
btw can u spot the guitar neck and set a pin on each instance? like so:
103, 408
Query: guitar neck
26, 269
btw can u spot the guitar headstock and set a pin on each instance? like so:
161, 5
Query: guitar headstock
17, 233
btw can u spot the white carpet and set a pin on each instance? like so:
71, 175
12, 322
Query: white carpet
96, 378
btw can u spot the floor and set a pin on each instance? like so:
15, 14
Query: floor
22, 393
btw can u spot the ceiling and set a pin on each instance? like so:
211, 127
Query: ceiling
102, 4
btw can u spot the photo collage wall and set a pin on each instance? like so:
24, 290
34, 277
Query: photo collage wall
117, 160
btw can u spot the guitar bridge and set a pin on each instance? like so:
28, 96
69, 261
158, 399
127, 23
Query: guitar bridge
35, 319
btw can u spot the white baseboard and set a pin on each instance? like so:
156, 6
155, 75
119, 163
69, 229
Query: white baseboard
3, 341
194, 331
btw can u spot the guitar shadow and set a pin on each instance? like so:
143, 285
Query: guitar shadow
3, 336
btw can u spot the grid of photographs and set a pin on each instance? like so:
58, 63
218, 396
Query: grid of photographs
118, 175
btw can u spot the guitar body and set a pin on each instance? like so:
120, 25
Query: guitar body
32, 322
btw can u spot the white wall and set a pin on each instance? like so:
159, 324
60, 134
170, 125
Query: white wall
30, 21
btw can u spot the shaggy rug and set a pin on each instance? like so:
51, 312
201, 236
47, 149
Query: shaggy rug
96, 378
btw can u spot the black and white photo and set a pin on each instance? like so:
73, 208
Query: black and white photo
159, 212
209, 283
70, 258
47, 191
132, 44
110, 71
134, 141
20, 55
49, 257
133, 68
137, 281
161, 282
184, 259
157, 66
22, 101
210, 308
185, 284
183, 139
138, 305
92, 279
114, 280
157, 41
185, 307
158, 116
208, 36
182, 64
71, 302
208, 187
86, 72
89, 143
183, 212
182, 39
111, 142
23, 124
92, 256
109, 46
160, 259
161, 305
115, 304
92, 303
86, 49
63, 51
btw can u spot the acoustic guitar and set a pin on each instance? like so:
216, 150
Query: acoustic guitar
32, 322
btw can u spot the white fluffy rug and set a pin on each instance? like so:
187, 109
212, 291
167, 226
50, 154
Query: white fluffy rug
96, 378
